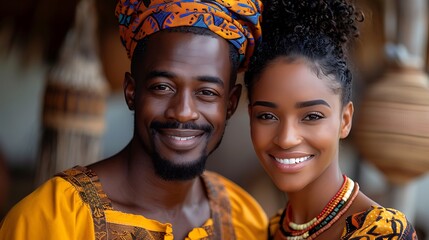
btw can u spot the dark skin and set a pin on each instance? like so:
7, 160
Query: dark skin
182, 77
296, 116
360, 204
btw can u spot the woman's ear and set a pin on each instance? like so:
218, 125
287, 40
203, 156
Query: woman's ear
129, 90
346, 120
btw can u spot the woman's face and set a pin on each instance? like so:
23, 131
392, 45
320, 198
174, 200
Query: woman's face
296, 123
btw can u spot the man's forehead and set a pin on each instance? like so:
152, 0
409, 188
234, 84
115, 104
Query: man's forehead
185, 55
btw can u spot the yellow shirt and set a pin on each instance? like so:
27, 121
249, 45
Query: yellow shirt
61, 209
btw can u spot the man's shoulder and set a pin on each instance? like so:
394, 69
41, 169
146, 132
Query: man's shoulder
58, 192
248, 217
241, 201
54, 208
55, 191
234, 191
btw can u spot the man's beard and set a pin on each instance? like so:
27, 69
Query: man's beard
170, 171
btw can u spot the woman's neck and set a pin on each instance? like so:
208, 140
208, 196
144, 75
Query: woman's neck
311, 200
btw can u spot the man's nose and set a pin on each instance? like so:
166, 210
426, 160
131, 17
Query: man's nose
182, 108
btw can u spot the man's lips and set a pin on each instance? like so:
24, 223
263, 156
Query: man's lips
181, 133
180, 139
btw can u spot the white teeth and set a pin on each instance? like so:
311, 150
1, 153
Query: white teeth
292, 160
182, 138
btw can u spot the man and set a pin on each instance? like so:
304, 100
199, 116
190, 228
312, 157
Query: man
184, 61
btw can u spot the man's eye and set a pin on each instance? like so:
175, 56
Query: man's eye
207, 93
161, 87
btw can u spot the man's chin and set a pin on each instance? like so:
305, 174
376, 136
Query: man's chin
170, 171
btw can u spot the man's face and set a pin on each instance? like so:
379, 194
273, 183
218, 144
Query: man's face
182, 98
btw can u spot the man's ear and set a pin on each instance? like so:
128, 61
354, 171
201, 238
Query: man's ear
249, 110
234, 98
129, 90
346, 120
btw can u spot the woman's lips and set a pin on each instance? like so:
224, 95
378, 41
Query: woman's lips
290, 161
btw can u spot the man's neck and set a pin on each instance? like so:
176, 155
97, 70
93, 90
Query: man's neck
143, 186
129, 181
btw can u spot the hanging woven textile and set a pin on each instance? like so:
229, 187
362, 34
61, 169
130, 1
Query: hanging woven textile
74, 100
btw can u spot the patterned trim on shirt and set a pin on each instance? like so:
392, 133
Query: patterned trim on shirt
90, 190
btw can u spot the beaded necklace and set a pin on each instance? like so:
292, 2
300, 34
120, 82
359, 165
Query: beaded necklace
336, 207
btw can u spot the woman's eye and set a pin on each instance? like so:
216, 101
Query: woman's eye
313, 116
267, 116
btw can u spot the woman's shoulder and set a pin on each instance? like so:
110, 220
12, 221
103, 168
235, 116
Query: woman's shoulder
379, 222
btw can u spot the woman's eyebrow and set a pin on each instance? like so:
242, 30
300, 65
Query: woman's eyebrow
265, 104
311, 103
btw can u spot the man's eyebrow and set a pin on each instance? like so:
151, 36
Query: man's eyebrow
311, 103
157, 73
170, 75
211, 79
264, 104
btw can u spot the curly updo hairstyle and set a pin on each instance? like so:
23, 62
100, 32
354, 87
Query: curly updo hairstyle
317, 31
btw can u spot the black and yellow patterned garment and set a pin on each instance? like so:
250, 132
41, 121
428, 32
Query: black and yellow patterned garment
73, 206
377, 223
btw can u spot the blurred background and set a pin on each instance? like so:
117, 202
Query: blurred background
61, 103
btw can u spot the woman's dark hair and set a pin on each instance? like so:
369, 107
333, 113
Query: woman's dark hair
314, 30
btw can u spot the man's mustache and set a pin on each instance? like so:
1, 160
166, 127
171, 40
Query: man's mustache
156, 125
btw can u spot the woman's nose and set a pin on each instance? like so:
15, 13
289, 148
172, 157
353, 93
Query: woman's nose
287, 136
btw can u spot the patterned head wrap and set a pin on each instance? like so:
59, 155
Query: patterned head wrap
237, 21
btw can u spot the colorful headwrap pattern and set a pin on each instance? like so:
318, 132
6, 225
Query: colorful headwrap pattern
237, 21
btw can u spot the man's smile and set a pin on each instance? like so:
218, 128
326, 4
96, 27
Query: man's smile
180, 139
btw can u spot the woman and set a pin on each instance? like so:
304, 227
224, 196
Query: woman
299, 88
